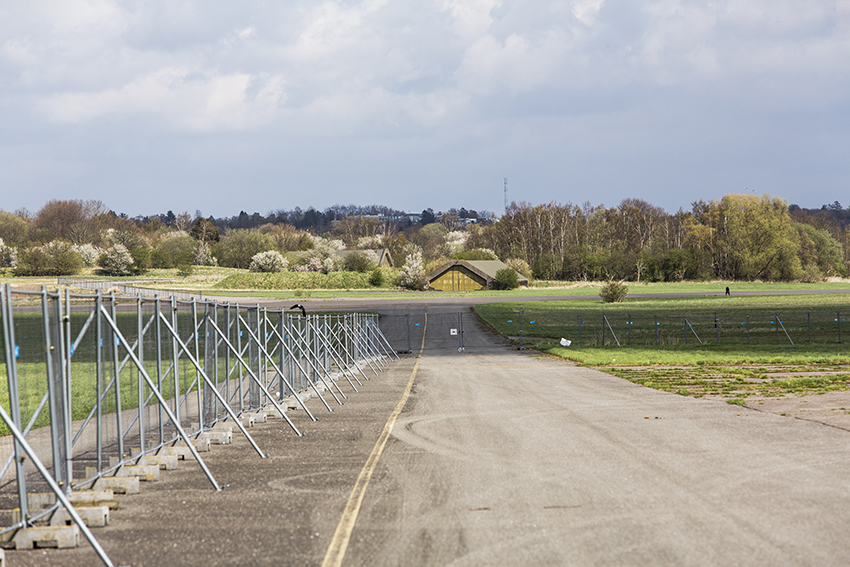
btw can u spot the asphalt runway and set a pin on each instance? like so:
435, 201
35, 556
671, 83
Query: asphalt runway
500, 457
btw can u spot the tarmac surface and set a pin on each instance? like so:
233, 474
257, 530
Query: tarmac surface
499, 457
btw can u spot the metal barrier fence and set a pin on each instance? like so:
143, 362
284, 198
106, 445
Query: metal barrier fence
124, 287
625, 329
95, 388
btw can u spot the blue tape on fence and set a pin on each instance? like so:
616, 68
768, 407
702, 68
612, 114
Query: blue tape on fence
511, 321
531, 322
72, 349
17, 351
417, 324
101, 342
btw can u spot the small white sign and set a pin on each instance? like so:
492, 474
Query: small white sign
454, 331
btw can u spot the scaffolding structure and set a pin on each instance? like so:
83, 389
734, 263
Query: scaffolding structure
101, 390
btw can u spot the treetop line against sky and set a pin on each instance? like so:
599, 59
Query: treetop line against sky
255, 106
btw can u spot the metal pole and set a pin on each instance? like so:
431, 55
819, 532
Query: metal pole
14, 422
776, 315
51, 482
161, 400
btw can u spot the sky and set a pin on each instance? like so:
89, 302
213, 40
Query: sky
218, 106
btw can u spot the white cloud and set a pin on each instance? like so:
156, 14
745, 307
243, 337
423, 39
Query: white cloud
449, 75
197, 103
585, 11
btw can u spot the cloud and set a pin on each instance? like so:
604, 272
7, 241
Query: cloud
191, 101
458, 84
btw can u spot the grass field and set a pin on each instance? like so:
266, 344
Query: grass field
721, 346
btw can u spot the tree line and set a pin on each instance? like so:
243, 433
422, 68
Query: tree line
736, 237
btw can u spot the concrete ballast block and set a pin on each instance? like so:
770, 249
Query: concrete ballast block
94, 517
165, 462
118, 484
143, 472
218, 437
62, 537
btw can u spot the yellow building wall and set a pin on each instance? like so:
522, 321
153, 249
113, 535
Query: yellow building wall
458, 278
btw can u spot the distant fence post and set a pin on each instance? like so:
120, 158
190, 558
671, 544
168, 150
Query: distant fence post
717, 327
809, 316
776, 323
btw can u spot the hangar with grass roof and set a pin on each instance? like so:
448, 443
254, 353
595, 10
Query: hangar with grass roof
468, 275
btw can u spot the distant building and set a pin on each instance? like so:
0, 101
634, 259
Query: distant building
467, 275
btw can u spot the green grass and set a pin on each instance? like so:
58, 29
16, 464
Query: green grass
698, 356
744, 321
735, 384
730, 369
295, 280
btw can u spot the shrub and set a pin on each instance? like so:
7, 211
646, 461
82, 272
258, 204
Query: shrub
64, 260
613, 292
57, 258
32, 262
8, 255
413, 274
357, 262
88, 252
203, 255
506, 278
116, 260
268, 261
520, 265
239, 246
376, 278
185, 270
173, 252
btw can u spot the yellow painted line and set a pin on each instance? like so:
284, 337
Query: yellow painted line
342, 535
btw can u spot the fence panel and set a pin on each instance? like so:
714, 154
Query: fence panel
96, 384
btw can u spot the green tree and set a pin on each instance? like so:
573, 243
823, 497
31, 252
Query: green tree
14, 229
204, 230
748, 237
237, 247
819, 249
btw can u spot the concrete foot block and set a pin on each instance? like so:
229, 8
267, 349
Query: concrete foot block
164, 462
292, 403
217, 437
259, 417
223, 426
146, 473
272, 413
178, 452
201, 444
118, 484
95, 517
94, 498
62, 537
